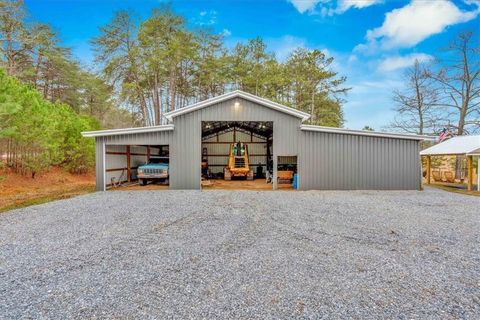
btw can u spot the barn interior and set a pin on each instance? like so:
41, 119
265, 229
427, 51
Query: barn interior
227, 146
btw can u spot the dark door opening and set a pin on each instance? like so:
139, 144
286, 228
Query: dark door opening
237, 154
287, 172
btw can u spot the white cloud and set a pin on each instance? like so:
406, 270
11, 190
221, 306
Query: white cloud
413, 23
400, 62
206, 18
305, 5
344, 5
328, 7
226, 32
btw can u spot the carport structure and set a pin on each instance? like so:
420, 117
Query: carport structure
324, 157
468, 146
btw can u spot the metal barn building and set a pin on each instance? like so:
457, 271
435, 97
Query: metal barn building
325, 158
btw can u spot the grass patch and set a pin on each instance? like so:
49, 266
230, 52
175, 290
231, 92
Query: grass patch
35, 200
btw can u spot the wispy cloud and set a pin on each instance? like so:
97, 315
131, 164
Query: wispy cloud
329, 8
400, 62
206, 18
344, 5
305, 5
226, 32
407, 26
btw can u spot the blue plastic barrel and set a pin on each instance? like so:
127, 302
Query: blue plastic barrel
295, 181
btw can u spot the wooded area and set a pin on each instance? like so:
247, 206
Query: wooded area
144, 69
158, 65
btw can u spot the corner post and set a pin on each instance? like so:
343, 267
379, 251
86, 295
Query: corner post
129, 165
429, 167
470, 173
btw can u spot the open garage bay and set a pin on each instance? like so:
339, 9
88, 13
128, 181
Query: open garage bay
232, 254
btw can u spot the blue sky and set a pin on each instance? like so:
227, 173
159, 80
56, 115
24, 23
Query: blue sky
372, 41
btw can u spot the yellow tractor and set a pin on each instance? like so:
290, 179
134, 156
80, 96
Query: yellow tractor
238, 162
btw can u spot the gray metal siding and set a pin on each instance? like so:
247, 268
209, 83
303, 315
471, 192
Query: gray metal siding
188, 132
99, 164
326, 161
331, 161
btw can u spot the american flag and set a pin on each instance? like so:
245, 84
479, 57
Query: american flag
444, 134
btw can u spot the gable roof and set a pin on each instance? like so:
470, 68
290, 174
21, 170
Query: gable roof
237, 94
454, 146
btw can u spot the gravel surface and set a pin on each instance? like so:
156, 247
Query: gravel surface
243, 254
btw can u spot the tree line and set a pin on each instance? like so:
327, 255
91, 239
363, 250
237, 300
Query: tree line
159, 64
444, 93
46, 98
144, 68
36, 134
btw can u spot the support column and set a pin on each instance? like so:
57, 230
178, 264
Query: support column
100, 169
129, 169
429, 167
275, 171
470, 173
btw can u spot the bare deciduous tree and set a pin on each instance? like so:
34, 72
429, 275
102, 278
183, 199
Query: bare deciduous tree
416, 104
458, 81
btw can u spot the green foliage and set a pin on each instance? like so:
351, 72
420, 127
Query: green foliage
32, 53
41, 133
159, 65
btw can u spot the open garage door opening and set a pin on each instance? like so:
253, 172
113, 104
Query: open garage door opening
133, 165
237, 154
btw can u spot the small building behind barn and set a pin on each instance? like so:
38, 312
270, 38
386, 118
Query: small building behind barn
323, 158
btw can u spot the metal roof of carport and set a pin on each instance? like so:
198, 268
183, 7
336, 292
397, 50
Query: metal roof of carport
460, 145
238, 94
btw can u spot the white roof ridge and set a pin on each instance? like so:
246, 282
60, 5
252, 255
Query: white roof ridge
309, 127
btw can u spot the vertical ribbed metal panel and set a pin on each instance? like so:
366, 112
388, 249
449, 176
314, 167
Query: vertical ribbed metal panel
99, 165
332, 161
326, 161
187, 136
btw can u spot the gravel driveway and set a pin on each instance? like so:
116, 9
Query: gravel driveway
227, 254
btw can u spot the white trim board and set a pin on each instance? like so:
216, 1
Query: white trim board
113, 132
306, 127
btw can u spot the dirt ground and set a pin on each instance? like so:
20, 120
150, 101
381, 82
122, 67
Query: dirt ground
18, 190
257, 184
